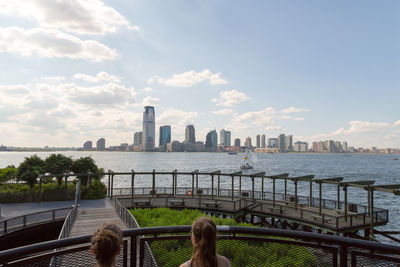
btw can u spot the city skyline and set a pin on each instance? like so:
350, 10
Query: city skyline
316, 70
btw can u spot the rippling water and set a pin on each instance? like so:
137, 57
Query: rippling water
381, 168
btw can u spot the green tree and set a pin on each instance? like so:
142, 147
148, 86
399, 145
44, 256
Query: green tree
30, 169
86, 165
58, 164
8, 173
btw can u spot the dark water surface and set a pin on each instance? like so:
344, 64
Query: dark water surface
379, 167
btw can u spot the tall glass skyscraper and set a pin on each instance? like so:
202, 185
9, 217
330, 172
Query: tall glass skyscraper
148, 129
190, 136
165, 135
212, 139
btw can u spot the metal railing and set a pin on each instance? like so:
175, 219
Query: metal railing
311, 248
20, 222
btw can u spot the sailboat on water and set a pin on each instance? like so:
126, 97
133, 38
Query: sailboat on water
249, 160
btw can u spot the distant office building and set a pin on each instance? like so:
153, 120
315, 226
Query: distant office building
101, 144
148, 129
289, 143
281, 143
338, 147
237, 142
300, 147
225, 138
272, 142
190, 134
258, 141
345, 147
247, 142
263, 141
174, 146
165, 135
87, 145
212, 139
138, 139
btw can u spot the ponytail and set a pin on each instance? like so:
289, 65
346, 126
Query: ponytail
205, 234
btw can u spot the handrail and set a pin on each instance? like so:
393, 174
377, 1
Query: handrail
343, 244
25, 220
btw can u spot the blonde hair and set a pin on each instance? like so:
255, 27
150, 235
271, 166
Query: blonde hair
205, 234
106, 243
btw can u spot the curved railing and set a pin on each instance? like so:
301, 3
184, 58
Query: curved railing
310, 248
20, 222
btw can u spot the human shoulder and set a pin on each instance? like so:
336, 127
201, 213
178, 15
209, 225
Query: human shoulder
222, 261
184, 265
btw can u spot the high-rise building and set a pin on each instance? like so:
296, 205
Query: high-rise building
247, 143
263, 141
258, 141
237, 142
344, 146
272, 142
225, 138
190, 134
148, 129
281, 143
87, 145
300, 147
138, 139
289, 143
101, 144
212, 139
165, 135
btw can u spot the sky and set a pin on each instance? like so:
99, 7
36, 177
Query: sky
78, 70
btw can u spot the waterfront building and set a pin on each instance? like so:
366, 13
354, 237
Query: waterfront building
190, 134
338, 147
263, 141
225, 138
289, 143
281, 143
199, 146
87, 145
272, 142
148, 129
258, 141
137, 139
345, 147
300, 147
247, 142
174, 146
212, 139
237, 142
165, 135
101, 144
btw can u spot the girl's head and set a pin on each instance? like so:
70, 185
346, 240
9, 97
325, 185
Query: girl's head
204, 236
106, 244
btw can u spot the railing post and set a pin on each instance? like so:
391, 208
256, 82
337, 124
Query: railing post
192, 184
219, 177
311, 196
132, 185
240, 185
343, 255
338, 196
295, 195
320, 198
197, 183
371, 213
212, 185
233, 181
345, 203
154, 183
285, 188
262, 187
112, 184
273, 192
252, 188
133, 250
109, 178
5, 226
173, 183
24, 221
53, 215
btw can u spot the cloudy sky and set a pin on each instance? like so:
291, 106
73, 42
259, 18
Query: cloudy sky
77, 70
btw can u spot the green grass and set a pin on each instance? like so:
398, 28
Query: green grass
239, 252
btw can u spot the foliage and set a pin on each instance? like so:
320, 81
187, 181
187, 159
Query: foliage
7, 174
239, 252
86, 165
12, 193
30, 169
58, 164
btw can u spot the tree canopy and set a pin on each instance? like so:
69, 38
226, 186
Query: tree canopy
30, 169
58, 164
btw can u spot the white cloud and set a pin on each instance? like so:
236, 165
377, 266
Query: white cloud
273, 128
101, 76
150, 101
51, 79
91, 17
52, 44
178, 119
18, 89
148, 89
396, 123
299, 119
230, 98
223, 112
293, 110
190, 78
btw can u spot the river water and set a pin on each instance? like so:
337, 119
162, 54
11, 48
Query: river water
379, 167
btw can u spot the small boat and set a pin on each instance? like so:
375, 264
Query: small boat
232, 153
395, 159
246, 162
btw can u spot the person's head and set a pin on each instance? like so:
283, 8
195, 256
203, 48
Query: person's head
204, 236
106, 244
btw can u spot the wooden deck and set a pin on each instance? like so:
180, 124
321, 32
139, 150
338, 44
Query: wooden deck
327, 220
